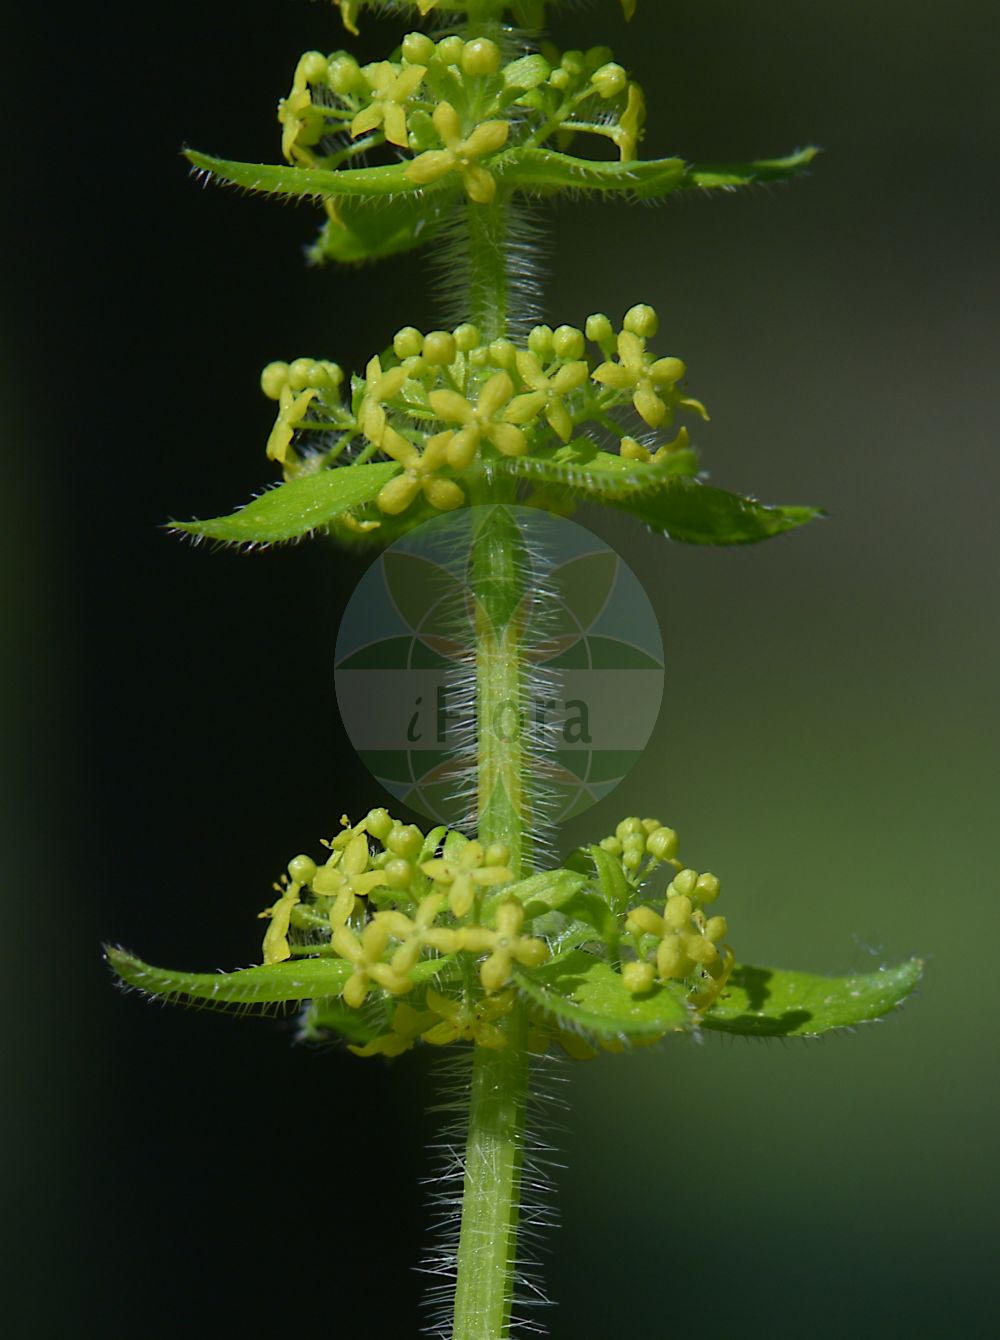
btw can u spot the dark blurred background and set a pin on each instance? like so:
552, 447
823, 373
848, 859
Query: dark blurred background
828, 742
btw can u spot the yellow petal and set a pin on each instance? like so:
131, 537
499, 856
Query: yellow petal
649, 405
666, 371
508, 439
560, 421
395, 125
486, 139
430, 166
367, 119
408, 82
613, 375
494, 395
531, 370
630, 350
569, 377
451, 407
396, 446
524, 408
396, 496
447, 124
479, 185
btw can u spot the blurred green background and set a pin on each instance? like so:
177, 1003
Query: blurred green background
828, 742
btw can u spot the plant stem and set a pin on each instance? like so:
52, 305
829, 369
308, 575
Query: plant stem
489, 279
491, 1195
487, 1249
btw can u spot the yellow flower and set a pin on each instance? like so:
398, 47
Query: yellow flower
459, 155
506, 946
645, 377
546, 394
391, 86
469, 1023
479, 421
302, 123
474, 867
407, 1025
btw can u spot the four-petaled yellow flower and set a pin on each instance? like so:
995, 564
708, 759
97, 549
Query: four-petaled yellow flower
505, 945
643, 375
479, 421
459, 155
391, 86
546, 394
468, 1022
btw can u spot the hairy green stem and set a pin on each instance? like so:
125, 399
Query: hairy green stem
491, 1195
489, 277
487, 1249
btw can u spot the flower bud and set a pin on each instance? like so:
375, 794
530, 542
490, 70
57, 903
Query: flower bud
405, 840
273, 378
627, 826
481, 56
466, 337
503, 354
408, 342
707, 888
599, 329
398, 873
379, 823
715, 928
312, 67
567, 342
449, 50
683, 884
662, 844
609, 80
595, 57
540, 341
301, 869
497, 853
301, 373
344, 74
439, 348
641, 320
573, 62
417, 49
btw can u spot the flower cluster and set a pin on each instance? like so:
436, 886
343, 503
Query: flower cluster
450, 107
403, 911
447, 405
385, 896
672, 940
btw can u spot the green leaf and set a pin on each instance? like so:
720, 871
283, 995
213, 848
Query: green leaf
600, 476
611, 876
586, 995
303, 183
297, 507
272, 984
688, 510
766, 1002
362, 231
729, 175
331, 1015
542, 171
539, 894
